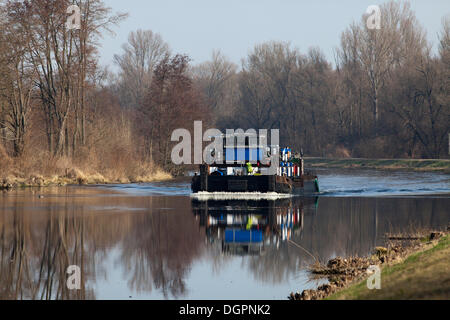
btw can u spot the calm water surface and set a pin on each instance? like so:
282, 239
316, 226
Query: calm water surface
154, 241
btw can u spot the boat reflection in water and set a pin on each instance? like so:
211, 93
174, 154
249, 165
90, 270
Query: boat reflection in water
243, 227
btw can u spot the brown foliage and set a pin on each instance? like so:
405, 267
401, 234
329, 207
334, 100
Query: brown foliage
172, 102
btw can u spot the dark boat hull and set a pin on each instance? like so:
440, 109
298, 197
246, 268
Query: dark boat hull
262, 184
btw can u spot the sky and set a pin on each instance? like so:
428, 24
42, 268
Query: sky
197, 27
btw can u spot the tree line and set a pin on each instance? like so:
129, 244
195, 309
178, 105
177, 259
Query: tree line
386, 94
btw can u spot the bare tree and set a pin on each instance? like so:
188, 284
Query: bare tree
421, 101
378, 51
60, 58
16, 86
137, 63
217, 79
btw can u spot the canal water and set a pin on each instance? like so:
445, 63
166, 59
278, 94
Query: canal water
155, 241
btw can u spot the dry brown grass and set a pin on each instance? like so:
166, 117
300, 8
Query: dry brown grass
44, 170
5, 160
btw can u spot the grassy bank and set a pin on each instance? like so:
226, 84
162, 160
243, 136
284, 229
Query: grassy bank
62, 171
381, 164
76, 176
413, 266
422, 275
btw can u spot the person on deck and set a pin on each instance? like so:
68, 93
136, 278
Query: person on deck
249, 169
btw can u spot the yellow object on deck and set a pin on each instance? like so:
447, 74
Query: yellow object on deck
249, 168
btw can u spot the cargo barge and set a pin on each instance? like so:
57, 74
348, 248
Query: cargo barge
255, 168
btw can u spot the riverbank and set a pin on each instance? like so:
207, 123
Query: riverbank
76, 176
441, 165
412, 267
422, 275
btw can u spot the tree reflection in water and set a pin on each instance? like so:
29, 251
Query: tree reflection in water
36, 252
155, 241
39, 239
161, 246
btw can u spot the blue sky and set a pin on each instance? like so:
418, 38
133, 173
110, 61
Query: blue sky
197, 27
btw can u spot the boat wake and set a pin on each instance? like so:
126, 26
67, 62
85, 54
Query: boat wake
371, 183
203, 196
